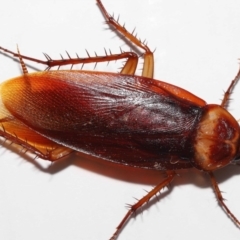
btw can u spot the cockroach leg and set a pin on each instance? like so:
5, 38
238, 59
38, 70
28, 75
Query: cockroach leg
229, 91
148, 66
30, 140
49, 152
143, 200
221, 199
24, 68
129, 67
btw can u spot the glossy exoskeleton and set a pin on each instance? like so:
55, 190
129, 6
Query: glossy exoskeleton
119, 117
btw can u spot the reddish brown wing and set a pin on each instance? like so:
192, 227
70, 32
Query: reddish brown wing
126, 119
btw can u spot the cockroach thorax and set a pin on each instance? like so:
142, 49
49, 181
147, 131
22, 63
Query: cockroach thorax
217, 139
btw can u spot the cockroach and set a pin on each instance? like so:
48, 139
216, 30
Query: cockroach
122, 118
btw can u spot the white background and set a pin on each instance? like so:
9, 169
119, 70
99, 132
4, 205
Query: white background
197, 47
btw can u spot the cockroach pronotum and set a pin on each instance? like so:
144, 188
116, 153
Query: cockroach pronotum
135, 121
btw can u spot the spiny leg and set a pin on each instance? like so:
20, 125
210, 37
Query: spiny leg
128, 68
221, 199
143, 200
28, 140
52, 152
24, 68
148, 65
229, 91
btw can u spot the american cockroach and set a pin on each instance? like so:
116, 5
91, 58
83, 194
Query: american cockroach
122, 118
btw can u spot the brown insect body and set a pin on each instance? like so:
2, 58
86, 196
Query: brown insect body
123, 118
